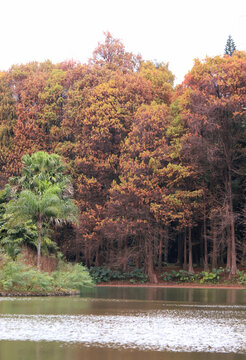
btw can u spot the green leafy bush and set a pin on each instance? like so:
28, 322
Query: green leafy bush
18, 277
15, 276
212, 277
71, 277
167, 276
241, 277
100, 274
178, 276
203, 277
137, 275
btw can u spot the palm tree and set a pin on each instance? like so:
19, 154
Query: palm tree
44, 194
43, 207
41, 166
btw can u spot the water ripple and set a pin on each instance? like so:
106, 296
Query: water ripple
189, 331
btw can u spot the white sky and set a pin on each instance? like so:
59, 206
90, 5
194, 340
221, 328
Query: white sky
174, 31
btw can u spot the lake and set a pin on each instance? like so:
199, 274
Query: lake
110, 323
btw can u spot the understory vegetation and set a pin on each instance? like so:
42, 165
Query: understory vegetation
101, 274
215, 276
19, 278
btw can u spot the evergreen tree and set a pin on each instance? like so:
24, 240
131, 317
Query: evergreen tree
230, 46
45, 196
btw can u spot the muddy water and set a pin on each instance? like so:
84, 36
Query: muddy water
126, 323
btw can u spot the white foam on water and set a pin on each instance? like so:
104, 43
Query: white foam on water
188, 330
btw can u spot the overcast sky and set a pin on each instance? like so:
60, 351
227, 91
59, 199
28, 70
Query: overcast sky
174, 31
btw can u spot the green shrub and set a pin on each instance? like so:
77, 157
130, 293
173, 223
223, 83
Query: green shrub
241, 277
185, 276
100, 274
137, 275
178, 276
212, 277
203, 277
72, 277
168, 277
39, 280
18, 277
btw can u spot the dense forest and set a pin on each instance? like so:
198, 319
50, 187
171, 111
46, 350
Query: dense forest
158, 170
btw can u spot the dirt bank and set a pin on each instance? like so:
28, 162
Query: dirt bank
187, 285
28, 294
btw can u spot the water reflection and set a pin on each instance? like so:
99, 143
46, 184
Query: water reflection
126, 323
55, 351
182, 295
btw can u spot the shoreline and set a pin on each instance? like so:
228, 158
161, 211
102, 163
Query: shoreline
182, 286
28, 294
114, 285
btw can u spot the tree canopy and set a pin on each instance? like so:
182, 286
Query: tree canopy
157, 170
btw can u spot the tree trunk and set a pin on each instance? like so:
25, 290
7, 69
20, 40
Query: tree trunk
39, 242
149, 257
97, 257
160, 254
111, 254
166, 245
77, 255
205, 243
233, 242
125, 260
120, 252
180, 247
228, 240
201, 258
139, 255
86, 253
185, 251
190, 253
214, 240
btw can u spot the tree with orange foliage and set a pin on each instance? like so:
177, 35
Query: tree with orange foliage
113, 55
213, 109
153, 192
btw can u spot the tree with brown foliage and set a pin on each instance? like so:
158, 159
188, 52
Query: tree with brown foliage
213, 108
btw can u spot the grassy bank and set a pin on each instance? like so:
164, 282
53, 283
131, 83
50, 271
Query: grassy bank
17, 278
